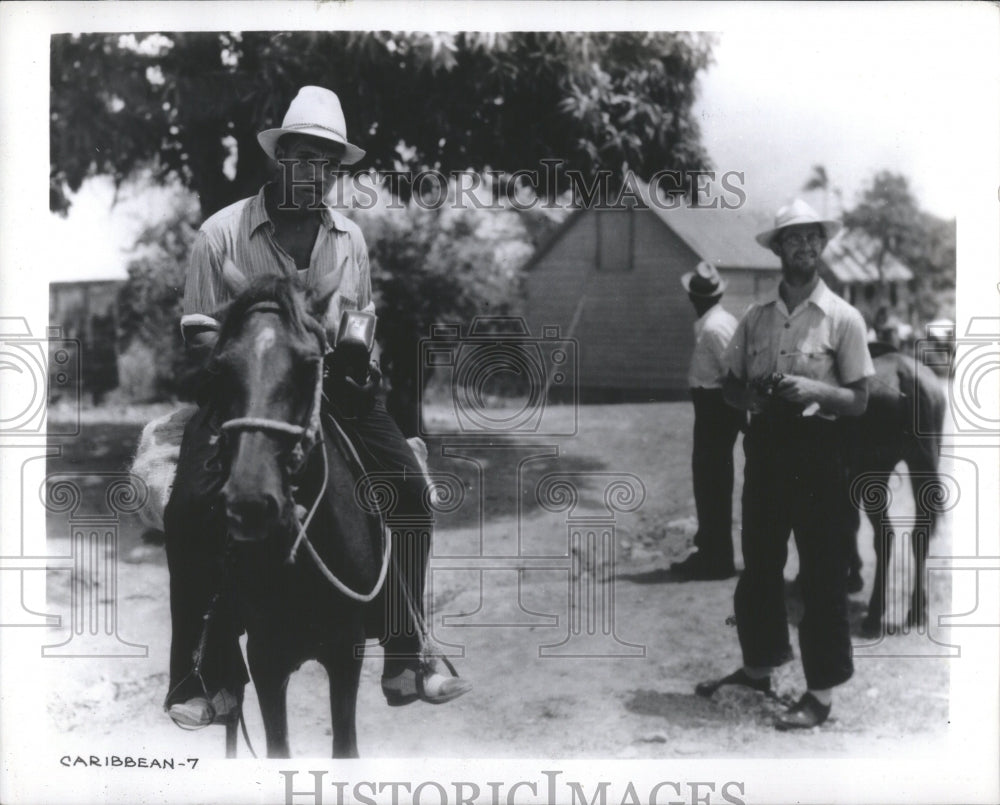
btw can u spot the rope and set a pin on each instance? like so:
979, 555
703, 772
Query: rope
302, 539
308, 519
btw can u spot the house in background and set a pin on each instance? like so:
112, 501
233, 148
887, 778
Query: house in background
86, 311
851, 269
610, 279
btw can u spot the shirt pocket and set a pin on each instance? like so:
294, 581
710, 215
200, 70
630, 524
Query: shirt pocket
815, 358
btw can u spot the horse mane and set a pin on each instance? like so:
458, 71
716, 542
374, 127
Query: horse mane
287, 293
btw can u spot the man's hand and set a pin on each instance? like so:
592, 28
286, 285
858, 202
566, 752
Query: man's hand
353, 399
745, 396
850, 400
801, 390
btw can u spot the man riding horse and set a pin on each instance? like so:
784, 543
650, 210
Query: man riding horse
286, 229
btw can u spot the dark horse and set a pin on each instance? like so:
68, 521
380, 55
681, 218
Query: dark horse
267, 367
906, 408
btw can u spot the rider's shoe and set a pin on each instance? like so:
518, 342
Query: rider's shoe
425, 682
200, 712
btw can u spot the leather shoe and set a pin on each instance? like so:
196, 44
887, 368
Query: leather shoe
807, 713
694, 568
200, 712
423, 682
739, 677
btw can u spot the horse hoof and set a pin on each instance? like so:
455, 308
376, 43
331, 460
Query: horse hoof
918, 621
871, 628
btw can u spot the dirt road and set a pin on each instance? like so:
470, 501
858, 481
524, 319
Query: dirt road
508, 627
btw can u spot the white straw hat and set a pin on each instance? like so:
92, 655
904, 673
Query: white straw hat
795, 214
315, 111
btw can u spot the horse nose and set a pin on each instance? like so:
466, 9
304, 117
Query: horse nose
250, 515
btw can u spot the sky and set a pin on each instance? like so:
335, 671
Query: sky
856, 93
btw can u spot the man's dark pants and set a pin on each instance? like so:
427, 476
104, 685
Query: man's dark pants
196, 535
795, 480
716, 425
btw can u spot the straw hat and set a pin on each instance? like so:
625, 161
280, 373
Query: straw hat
315, 111
795, 214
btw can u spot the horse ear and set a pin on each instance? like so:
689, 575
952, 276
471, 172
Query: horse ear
234, 279
319, 298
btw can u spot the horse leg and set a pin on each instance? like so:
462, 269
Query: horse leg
343, 670
271, 681
855, 583
232, 724
882, 537
919, 540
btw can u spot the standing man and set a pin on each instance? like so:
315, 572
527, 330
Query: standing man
797, 363
715, 427
286, 229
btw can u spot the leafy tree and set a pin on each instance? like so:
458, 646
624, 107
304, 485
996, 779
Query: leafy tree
889, 212
820, 180
439, 265
149, 301
190, 104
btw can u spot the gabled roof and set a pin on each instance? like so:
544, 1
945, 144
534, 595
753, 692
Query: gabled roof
727, 239
723, 237
852, 257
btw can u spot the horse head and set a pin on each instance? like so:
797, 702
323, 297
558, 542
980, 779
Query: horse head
268, 369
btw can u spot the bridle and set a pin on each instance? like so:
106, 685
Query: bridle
309, 436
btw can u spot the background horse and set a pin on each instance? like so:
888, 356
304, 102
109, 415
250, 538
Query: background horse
267, 366
906, 408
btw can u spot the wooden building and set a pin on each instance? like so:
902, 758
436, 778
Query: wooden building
610, 279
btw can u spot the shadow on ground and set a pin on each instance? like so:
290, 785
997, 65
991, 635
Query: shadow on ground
496, 480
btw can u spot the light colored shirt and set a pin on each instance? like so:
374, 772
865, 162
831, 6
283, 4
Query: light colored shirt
712, 333
244, 233
824, 338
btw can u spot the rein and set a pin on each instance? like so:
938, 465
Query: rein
318, 560
309, 438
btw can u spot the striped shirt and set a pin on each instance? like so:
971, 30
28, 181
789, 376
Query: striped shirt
824, 338
244, 233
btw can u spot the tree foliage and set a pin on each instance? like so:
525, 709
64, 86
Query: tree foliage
450, 101
431, 266
149, 302
889, 212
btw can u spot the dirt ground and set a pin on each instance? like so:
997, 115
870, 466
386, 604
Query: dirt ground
634, 700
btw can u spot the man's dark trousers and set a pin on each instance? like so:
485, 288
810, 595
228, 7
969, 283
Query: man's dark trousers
715, 427
795, 480
196, 534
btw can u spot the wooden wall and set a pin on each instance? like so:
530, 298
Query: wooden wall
628, 312
612, 282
